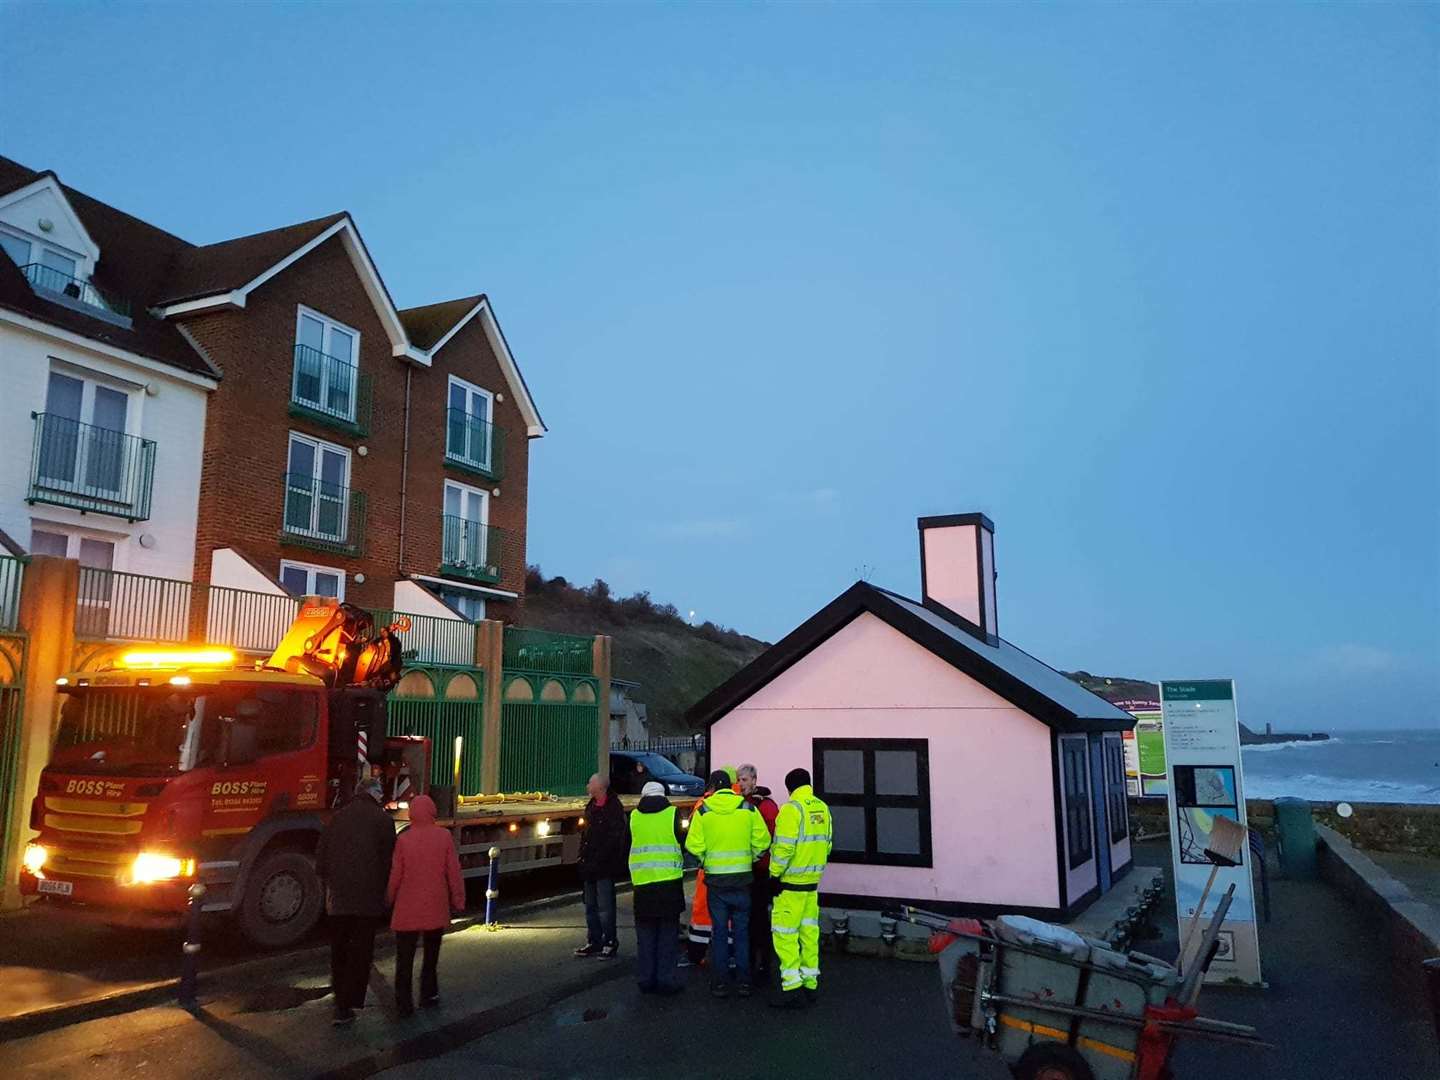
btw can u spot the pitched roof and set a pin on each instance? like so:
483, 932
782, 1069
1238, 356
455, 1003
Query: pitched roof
1019, 678
214, 268
135, 258
428, 324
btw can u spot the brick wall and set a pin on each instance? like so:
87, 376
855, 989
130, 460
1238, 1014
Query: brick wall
247, 426
469, 356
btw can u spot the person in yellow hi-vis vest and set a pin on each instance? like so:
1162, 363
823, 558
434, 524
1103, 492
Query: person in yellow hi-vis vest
657, 873
797, 861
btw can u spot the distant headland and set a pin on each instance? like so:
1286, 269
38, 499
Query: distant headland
1130, 693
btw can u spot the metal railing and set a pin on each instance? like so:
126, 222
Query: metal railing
472, 550
12, 573
322, 515
547, 652
432, 640
47, 279
474, 444
114, 605
331, 390
90, 468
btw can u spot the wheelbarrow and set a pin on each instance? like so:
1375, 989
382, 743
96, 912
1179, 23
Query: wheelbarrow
1058, 1006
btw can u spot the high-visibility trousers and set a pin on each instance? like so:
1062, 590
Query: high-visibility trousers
795, 929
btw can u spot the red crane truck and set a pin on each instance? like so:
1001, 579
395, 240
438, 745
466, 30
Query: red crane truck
174, 766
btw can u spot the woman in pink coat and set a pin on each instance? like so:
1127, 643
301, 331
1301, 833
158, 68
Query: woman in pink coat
425, 887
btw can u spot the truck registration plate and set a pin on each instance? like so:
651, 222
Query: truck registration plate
56, 888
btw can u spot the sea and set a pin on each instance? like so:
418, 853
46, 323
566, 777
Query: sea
1361, 766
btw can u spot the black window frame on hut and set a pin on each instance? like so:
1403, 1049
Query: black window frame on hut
872, 792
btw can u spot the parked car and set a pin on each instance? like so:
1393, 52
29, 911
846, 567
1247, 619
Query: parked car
630, 770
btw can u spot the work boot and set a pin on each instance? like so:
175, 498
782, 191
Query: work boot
788, 999
588, 950
719, 990
744, 990
343, 1017
812, 995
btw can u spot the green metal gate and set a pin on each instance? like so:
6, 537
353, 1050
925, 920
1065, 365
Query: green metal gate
447, 705
550, 713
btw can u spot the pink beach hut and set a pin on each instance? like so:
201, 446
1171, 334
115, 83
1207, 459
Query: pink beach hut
964, 774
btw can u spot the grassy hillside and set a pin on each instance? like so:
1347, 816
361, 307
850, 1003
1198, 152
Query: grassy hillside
675, 663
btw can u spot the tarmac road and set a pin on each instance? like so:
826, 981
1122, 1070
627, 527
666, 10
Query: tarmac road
46, 962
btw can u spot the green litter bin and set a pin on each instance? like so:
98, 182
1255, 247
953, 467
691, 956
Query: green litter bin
1295, 826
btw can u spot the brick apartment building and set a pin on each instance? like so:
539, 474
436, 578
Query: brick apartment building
349, 448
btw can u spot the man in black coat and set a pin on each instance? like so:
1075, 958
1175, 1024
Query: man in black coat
353, 860
604, 845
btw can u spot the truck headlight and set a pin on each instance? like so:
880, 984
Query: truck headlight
34, 858
152, 866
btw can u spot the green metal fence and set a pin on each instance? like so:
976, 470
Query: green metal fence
13, 645
549, 732
544, 651
432, 641
447, 706
113, 605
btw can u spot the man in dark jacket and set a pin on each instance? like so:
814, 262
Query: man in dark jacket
353, 860
657, 872
603, 845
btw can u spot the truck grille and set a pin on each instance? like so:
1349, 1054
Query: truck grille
75, 862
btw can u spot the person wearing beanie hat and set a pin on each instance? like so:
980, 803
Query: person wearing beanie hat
658, 877
353, 860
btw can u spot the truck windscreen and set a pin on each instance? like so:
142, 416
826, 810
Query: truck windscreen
158, 730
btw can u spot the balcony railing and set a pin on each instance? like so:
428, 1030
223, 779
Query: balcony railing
90, 468
73, 291
322, 515
330, 390
473, 444
472, 550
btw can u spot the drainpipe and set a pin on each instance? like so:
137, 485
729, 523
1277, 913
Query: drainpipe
404, 473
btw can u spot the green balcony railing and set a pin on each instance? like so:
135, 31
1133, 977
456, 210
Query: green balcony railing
474, 444
330, 390
475, 551
90, 468
322, 515
547, 652
48, 281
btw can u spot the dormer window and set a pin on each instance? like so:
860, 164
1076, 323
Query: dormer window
56, 275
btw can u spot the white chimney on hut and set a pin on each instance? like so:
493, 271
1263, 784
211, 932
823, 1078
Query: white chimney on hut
957, 569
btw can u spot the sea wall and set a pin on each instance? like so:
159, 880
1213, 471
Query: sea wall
1372, 826
1411, 928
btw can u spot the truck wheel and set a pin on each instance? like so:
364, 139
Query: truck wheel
282, 900
1052, 1061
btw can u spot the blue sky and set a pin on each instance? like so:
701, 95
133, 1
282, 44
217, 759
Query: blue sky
1155, 287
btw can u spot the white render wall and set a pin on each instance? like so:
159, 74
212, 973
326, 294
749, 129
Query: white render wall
174, 416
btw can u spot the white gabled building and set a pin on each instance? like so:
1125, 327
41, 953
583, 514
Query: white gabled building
102, 422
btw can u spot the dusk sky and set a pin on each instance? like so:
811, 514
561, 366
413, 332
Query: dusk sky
1154, 287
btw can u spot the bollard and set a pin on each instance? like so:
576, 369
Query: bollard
1432, 979
492, 887
190, 951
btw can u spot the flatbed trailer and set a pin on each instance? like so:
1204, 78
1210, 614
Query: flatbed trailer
529, 831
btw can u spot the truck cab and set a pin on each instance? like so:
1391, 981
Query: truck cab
177, 767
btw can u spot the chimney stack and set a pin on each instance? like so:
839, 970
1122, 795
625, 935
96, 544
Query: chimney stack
957, 570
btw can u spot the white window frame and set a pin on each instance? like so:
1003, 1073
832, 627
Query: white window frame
310, 571
89, 380
38, 245
330, 325
471, 388
314, 531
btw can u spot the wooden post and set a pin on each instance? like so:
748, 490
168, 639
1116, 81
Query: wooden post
601, 667
48, 594
490, 655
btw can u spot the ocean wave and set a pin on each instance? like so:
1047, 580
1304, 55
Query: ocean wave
1337, 788
1270, 748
